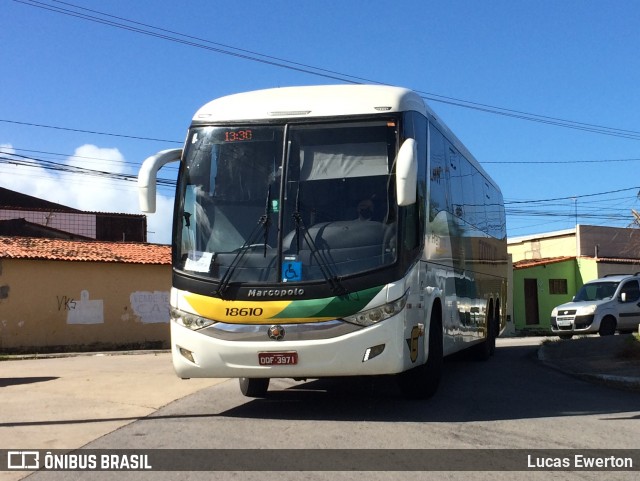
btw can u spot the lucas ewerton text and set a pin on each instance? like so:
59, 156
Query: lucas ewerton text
580, 461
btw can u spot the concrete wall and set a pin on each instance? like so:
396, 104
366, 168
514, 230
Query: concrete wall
65, 305
610, 268
609, 242
543, 247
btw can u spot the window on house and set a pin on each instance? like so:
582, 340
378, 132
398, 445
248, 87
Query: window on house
558, 286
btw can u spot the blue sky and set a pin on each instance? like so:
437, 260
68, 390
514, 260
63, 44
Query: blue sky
570, 60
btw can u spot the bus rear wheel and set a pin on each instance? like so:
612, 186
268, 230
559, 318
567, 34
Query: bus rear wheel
254, 387
487, 348
422, 382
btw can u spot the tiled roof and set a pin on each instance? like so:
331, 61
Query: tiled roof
618, 260
539, 262
84, 251
11, 198
523, 264
24, 228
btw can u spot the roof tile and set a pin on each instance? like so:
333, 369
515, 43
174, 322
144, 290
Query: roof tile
84, 251
525, 263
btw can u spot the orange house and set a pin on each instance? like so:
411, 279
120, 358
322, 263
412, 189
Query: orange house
66, 295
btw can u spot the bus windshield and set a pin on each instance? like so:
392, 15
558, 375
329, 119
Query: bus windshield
288, 203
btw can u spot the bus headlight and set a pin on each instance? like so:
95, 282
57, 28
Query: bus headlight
377, 314
190, 321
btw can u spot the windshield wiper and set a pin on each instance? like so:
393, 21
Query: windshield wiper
326, 265
264, 223
266, 218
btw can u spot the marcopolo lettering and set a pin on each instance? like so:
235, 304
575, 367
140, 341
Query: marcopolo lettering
275, 292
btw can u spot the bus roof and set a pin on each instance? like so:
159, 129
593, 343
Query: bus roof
311, 101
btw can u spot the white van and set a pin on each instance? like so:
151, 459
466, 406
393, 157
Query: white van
603, 306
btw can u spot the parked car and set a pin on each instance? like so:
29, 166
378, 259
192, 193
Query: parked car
601, 306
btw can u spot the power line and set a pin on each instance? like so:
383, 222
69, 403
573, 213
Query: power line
556, 162
189, 40
570, 197
25, 161
28, 161
530, 209
74, 156
527, 162
218, 43
169, 35
88, 131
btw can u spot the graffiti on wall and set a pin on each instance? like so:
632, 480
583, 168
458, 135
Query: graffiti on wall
66, 303
151, 307
84, 311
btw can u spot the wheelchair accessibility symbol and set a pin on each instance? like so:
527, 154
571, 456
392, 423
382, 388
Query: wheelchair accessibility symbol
291, 271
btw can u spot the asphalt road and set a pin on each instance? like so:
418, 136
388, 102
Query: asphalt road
511, 401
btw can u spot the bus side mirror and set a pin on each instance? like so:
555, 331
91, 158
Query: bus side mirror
148, 175
407, 173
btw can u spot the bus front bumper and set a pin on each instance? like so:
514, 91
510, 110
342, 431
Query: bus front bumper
378, 349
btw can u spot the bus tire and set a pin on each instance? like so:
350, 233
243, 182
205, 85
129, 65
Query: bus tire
254, 387
487, 348
422, 382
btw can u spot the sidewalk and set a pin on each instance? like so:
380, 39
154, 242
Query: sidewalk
67, 402
610, 360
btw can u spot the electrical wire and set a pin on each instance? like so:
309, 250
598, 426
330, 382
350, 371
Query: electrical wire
24, 161
188, 40
94, 132
197, 42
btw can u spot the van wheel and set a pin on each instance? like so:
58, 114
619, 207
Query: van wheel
607, 327
254, 387
422, 382
565, 336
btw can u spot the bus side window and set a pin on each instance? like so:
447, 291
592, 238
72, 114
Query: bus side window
455, 181
438, 175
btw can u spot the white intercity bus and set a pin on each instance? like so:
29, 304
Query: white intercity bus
330, 231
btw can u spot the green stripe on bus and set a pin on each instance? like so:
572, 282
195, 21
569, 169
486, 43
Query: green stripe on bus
338, 306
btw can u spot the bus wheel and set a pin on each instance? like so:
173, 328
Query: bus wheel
254, 387
486, 349
422, 382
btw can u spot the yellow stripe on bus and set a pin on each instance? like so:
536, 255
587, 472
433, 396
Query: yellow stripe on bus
244, 312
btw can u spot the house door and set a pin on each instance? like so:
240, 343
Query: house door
532, 316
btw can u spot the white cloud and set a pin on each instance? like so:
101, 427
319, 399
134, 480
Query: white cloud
86, 192
7, 148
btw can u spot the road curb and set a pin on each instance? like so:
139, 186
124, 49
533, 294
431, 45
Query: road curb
627, 383
57, 355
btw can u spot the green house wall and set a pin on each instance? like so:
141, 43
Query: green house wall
576, 272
